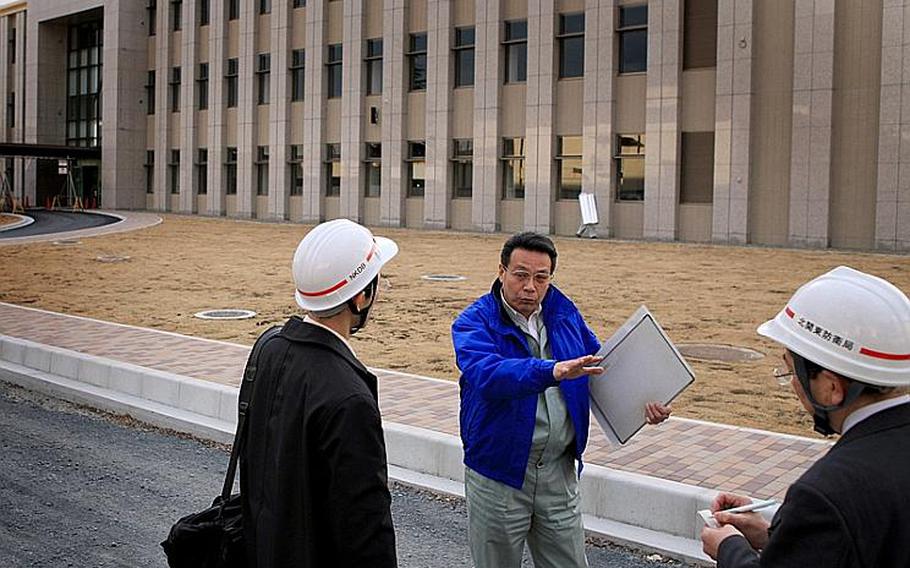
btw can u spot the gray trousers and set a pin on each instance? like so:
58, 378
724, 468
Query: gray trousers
544, 512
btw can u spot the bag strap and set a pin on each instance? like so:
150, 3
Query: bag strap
246, 393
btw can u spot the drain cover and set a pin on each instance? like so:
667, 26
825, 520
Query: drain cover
67, 242
111, 258
443, 277
228, 314
719, 352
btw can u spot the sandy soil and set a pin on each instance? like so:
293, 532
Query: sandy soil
707, 294
7, 219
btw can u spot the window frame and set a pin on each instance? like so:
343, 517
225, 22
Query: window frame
620, 155
373, 163
463, 49
332, 162
333, 65
563, 37
510, 160
202, 86
561, 159
232, 82
417, 57
174, 86
297, 70
413, 158
230, 170
173, 167
371, 61
515, 45
295, 163
462, 157
262, 170
622, 31
202, 171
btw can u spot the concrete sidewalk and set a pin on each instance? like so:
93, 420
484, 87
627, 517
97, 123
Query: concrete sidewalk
421, 415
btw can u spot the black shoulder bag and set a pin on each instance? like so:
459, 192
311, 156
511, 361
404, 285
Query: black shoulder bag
213, 538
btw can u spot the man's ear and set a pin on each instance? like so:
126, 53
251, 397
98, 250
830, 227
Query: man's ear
831, 389
502, 272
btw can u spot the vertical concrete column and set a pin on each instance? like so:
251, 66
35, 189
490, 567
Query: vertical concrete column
539, 135
188, 122
487, 78
597, 131
21, 96
279, 113
162, 106
813, 89
732, 121
394, 40
352, 111
246, 112
6, 79
438, 114
892, 207
314, 113
217, 106
31, 45
662, 119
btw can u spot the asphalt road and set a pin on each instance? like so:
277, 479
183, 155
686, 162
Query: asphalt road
80, 488
58, 222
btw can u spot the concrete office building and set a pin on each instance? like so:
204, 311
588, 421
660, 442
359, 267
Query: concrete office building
779, 122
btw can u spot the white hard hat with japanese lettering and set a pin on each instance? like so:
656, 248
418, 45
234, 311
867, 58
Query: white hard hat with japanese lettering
849, 322
335, 261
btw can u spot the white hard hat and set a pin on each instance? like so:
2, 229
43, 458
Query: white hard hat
335, 261
849, 322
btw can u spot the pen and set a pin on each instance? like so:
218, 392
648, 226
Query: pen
755, 506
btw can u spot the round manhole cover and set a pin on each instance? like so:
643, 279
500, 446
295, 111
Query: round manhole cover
719, 352
67, 242
227, 314
109, 258
443, 277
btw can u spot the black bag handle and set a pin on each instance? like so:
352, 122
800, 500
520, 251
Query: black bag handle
246, 393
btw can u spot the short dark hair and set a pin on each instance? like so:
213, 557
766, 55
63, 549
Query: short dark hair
532, 241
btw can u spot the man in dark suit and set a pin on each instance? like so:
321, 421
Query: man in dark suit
846, 336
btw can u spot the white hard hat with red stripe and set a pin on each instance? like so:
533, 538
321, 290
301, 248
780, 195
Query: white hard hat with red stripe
335, 261
849, 322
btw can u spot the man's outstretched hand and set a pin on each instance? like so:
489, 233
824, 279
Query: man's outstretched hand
574, 368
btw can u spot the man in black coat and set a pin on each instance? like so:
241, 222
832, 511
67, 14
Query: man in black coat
847, 340
313, 473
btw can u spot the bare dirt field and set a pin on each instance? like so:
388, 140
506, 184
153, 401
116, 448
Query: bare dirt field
7, 219
704, 294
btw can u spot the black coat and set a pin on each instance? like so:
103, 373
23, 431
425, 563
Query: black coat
851, 508
313, 474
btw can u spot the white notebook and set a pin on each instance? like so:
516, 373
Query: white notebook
643, 365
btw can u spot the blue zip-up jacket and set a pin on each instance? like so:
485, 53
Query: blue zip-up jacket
500, 381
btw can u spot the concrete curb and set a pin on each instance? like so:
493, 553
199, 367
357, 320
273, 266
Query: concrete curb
637, 510
24, 221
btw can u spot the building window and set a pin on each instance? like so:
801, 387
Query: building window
568, 157
515, 45
630, 168
417, 156
202, 171
230, 171
11, 110
464, 56
262, 170
176, 15
233, 9
150, 93
204, 12
699, 34
202, 86
263, 78
633, 39
265, 6
373, 62
175, 89
152, 9
12, 46
333, 66
173, 170
298, 66
373, 178
513, 168
417, 62
295, 164
230, 79
463, 165
149, 171
697, 175
300, 3
333, 170
571, 40
83, 84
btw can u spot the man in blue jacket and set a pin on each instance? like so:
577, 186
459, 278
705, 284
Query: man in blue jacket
525, 353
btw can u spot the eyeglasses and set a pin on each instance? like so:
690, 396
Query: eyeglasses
540, 278
782, 374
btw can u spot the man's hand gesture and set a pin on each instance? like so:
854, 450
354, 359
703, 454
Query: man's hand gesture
574, 368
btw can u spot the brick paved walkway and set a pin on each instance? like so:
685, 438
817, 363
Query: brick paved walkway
715, 456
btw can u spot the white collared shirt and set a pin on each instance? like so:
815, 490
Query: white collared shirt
861, 414
532, 325
311, 321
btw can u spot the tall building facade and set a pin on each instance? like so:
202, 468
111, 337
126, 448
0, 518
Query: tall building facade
777, 122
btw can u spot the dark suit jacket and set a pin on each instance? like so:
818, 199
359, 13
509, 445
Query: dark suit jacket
851, 508
313, 479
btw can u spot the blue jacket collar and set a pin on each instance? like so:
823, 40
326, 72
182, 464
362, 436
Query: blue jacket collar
555, 305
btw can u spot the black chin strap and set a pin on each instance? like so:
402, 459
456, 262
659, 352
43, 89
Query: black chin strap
364, 312
821, 415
